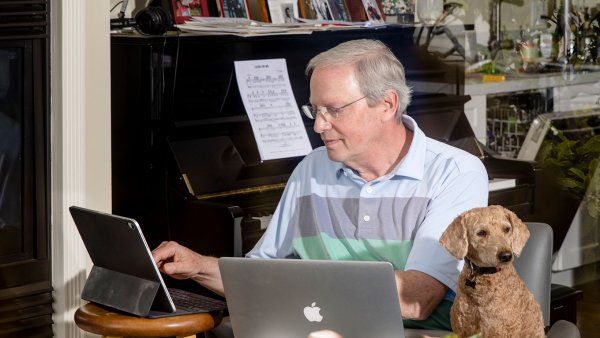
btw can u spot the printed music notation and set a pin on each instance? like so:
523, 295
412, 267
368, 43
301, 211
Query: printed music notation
267, 80
271, 107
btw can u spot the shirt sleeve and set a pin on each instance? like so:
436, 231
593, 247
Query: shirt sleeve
461, 193
276, 242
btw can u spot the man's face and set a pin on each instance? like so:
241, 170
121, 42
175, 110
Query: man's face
348, 138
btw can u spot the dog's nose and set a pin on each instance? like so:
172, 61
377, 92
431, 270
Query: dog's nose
505, 256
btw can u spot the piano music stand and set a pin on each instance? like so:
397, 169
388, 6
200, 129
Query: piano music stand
100, 320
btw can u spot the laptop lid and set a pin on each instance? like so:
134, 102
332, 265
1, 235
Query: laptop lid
124, 275
291, 297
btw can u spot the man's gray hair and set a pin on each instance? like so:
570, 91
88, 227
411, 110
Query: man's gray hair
376, 68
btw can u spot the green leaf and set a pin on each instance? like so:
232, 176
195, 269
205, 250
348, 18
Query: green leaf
563, 150
577, 172
552, 162
590, 146
567, 183
545, 151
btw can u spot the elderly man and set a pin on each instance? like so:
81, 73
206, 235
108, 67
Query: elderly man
378, 190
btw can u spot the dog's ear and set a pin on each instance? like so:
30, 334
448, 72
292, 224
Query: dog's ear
520, 233
454, 239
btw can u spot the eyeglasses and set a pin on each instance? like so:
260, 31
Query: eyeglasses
328, 112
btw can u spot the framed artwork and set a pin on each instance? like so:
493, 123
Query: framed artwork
339, 10
184, 9
181, 11
235, 9
283, 11
307, 10
322, 10
373, 12
198, 8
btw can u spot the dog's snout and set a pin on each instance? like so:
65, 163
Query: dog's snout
505, 256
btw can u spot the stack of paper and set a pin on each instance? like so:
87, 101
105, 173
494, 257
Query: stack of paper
246, 27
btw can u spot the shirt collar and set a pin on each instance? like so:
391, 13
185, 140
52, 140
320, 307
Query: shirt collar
413, 163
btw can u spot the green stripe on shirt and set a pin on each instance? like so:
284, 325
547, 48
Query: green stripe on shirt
323, 246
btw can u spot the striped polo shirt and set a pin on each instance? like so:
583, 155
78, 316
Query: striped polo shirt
327, 211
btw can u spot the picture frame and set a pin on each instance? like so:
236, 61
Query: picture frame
235, 9
283, 11
339, 10
322, 10
373, 11
181, 12
198, 8
184, 9
306, 9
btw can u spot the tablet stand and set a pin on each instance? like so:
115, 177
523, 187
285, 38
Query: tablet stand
120, 291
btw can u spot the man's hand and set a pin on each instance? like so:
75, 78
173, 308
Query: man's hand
177, 261
180, 262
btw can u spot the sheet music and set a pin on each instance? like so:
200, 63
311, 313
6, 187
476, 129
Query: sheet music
270, 104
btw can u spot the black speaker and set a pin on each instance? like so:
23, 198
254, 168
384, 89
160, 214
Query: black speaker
155, 19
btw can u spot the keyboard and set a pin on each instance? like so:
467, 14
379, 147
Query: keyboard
191, 302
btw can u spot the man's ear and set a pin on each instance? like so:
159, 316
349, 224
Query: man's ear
390, 104
454, 239
520, 233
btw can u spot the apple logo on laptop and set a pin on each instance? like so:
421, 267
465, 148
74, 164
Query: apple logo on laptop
312, 313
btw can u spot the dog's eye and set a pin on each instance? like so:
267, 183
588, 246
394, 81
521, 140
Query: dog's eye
481, 233
506, 230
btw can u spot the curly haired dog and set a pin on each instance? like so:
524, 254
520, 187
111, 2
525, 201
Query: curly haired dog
491, 298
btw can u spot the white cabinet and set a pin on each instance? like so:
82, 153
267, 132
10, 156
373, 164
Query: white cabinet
576, 97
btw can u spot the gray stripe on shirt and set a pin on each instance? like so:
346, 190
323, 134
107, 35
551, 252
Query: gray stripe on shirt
390, 218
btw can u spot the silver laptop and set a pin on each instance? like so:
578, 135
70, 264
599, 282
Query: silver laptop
278, 298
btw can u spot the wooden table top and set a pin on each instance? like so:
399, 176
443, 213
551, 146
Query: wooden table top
100, 320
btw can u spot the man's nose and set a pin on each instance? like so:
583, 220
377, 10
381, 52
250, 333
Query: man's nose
321, 124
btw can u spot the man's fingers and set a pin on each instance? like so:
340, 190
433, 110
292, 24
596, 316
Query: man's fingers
165, 251
169, 268
175, 270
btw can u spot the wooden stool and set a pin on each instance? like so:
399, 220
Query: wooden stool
99, 320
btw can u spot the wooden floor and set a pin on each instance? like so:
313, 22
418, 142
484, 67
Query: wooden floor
588, 310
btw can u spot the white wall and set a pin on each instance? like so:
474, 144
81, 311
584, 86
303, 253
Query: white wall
80, 142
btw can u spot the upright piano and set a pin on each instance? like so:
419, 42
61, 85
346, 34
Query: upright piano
184, 159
